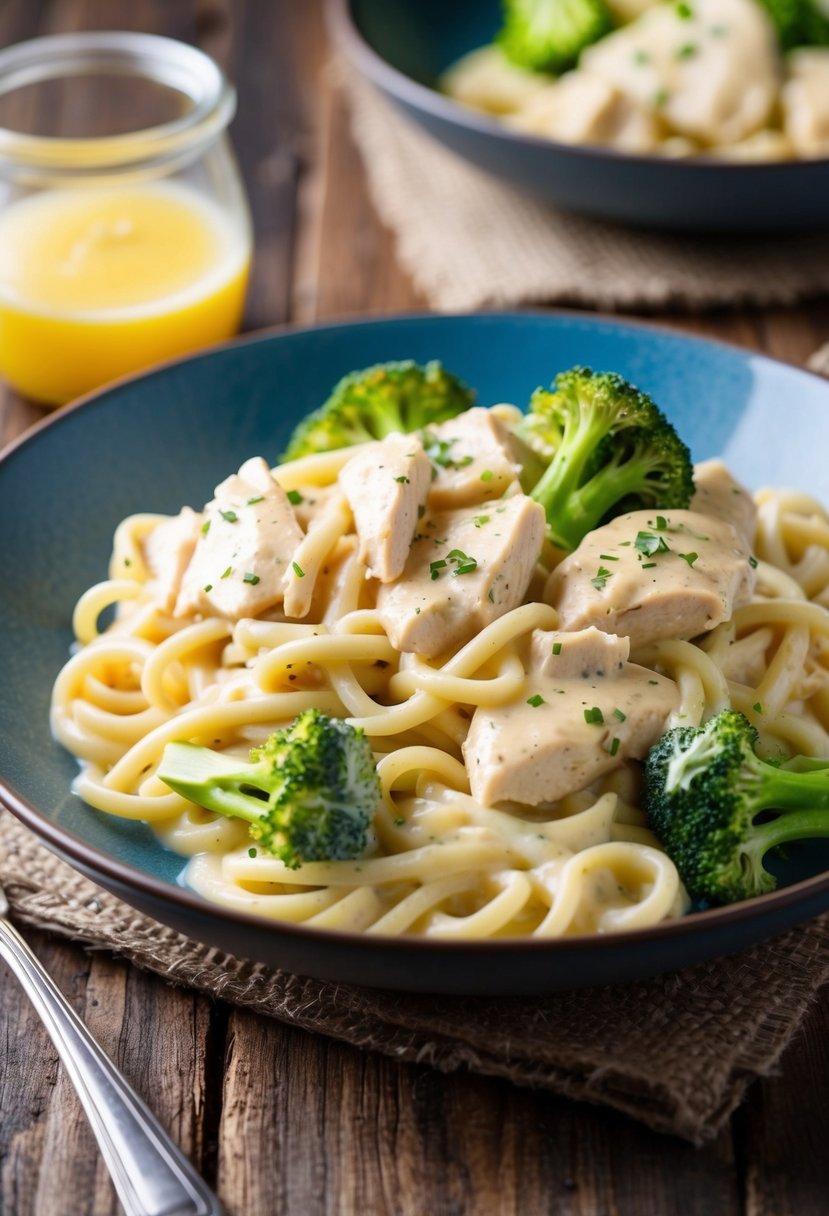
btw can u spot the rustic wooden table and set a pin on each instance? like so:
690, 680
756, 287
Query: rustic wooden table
278, 1120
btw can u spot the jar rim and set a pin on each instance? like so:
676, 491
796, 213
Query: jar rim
165, 61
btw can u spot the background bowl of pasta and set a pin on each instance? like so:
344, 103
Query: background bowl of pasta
154, 443
615, 143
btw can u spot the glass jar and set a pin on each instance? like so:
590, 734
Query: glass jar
125, 236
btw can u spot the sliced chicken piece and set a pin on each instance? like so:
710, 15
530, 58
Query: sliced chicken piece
709, 69
475, 459
564, 731
582, 108
386, 485
486, 80
647, 577
465, 569
577, 656
719, 494
167, 552
805, 99
250, 535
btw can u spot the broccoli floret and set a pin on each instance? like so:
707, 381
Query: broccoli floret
370, 404
549, 35
705, 789
797, 23
309, 793
608, 448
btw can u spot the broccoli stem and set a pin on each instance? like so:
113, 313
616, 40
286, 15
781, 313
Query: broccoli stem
779, 789
558, 490
214, 781
792, 825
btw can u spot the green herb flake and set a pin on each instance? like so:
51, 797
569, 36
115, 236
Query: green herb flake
298, 571
398, 823
752, 561
649, 544
480, 520
294, 498
251, 852
690, 558
487, 475
556, 647
614, 746
490, 596
687, 51
684, 11
208, 587
402, 480
230, 517
535, 700
250, 577
127, 561
227, 572
261, 498
417, 612
600, 581
618, 713
608, 557
757, 707
205, 528
436, 568
594, 716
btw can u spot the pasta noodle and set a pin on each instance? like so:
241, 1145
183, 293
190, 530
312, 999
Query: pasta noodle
439, 863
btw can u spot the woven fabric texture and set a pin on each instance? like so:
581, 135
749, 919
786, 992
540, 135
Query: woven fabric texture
468, 241
675, 1052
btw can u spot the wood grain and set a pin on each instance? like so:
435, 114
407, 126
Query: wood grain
285, 1123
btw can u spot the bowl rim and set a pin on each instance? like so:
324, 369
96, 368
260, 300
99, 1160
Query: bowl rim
88, 857
347, 37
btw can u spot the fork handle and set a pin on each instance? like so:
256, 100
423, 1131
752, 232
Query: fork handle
150, 1173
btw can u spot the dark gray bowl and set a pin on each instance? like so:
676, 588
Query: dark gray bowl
402, 47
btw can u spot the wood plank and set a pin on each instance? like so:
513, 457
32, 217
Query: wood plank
318, 1127
779, 1133
154, 1033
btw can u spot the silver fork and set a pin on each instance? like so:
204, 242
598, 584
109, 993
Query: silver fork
150, 1173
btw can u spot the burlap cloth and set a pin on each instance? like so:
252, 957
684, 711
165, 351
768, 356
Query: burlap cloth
676, 1052
470, 242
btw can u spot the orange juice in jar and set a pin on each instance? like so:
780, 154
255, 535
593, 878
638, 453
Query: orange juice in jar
118, 250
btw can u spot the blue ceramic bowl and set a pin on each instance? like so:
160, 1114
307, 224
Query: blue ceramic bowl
166, 438
403, 46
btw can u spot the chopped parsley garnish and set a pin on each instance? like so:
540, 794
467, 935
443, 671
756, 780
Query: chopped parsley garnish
661, 524
438, 451
230, 517
684, 11
437, 567
648, 543
690, 558
556, 647
600, 581
205, 528
687, 51
490, 596
535, 700
594, 716
614, 746
251, 578
127, 561
251, 852
480, 520
608, 557
464, 564
227, 572
752, 561
261, 498
294, 498
298, 571
208, 587
620, 714
487, 475
758, 708
402, 479
399, 821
